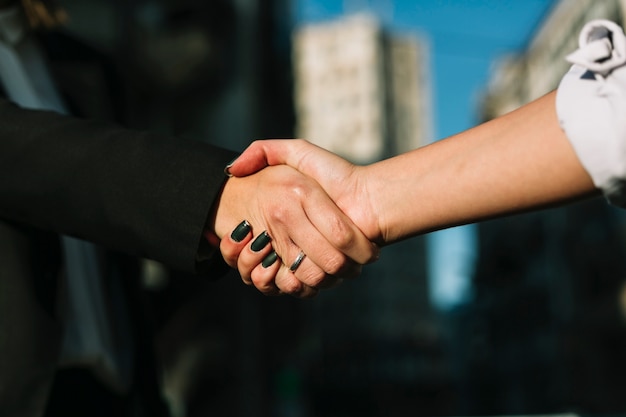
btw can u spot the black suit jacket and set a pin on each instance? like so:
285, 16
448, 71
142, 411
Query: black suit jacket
136, 193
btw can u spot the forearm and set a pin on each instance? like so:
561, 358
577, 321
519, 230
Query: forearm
518, 162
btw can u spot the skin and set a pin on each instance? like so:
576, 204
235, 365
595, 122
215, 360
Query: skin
518, 162
298, 215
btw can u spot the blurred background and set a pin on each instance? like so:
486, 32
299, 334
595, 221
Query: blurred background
522, 315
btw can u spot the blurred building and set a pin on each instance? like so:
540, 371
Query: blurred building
364, 93
360, 91
518, 79
545, 331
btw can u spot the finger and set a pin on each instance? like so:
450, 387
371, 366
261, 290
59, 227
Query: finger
232, 245
269, 273
287, 283
276, 279
272, 276
316, 278
252, 160
263, 153
312, 275
253, 255
321, 258
309, 230
300, 271
262, 266
264, 273
340, 232
306, 157
251, 251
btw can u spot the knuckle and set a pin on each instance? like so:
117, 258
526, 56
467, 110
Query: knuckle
299, 189
335, 264
343, 237
291, 286
263, 284
280, 213
314, 277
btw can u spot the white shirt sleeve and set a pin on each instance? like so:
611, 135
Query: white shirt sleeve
591, 106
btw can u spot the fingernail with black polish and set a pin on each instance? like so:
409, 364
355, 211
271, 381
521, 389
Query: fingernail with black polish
227, 167
260, 242
269, 260
240, 231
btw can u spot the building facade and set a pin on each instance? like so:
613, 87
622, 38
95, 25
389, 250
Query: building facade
360, 91
516, 80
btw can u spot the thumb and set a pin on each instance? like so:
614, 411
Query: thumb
252, 160
263, 153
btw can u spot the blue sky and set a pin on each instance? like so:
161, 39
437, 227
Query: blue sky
466, 37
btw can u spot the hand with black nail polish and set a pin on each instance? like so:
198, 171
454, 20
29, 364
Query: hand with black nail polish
285, 213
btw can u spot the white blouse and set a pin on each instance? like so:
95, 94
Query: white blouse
591, 106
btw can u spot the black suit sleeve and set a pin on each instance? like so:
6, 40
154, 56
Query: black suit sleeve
136, 192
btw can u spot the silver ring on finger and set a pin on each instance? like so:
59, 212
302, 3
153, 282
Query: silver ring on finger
297, 262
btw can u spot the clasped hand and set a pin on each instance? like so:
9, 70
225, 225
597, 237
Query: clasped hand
321, 214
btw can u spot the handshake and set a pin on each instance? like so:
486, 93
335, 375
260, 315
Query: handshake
294, 218
307, 223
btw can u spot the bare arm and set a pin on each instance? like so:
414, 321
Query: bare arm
518, 162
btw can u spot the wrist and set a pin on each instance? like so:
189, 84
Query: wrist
364, 207
389, 200
221, 220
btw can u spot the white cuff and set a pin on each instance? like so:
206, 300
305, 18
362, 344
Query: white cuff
591, 106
